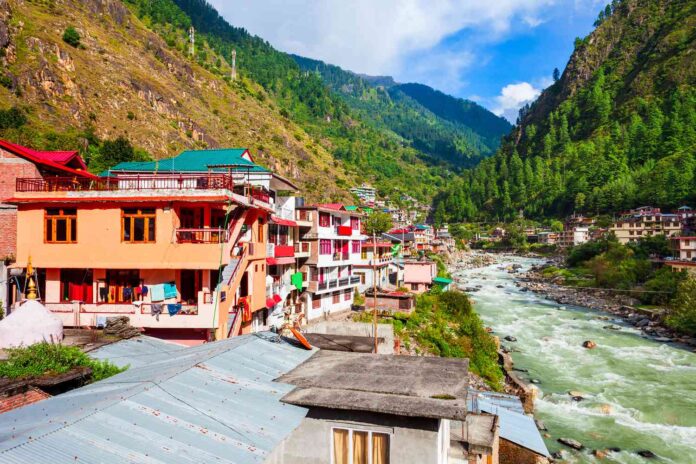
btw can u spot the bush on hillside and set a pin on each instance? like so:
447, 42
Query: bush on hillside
683, 314
71, 37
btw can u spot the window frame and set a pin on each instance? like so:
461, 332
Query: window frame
350, 443
146, 222
69, 219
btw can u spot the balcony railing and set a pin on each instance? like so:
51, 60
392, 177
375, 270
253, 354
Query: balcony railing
301, 247
284, 251
129, 182
344, 231
201, 235
315, 286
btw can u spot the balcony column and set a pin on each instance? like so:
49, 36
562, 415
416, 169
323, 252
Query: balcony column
206, 216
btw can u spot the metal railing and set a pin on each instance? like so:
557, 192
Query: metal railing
126, 182
201, 235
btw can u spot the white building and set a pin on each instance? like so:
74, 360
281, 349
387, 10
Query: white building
366, 193
368, 265
335, 241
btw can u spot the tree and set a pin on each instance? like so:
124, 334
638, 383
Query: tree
683, 314
71, 37
117, 151
556, 74
377, 223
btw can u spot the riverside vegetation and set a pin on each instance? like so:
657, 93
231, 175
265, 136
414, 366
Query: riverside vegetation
445, 324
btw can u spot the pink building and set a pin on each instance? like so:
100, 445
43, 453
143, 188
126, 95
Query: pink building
419, 275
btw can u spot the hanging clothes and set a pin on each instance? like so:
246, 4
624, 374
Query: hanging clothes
170, 290
156, 310
157, 292
127, 294
145, 290
103, 294
174, 308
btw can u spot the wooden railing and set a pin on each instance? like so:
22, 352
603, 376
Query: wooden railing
127, 182
201, 235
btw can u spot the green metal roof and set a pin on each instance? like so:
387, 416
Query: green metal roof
351, 208
194, 161
442, 280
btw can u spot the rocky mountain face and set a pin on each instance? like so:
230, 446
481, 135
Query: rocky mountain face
124, 79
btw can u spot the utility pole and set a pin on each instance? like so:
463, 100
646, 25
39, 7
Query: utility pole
374, 285
233, 74
192, 40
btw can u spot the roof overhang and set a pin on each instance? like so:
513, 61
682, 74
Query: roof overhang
280, 184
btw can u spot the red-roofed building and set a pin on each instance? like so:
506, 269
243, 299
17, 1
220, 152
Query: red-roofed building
17, 161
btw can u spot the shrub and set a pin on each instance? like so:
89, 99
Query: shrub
12, 118
683, 314
71, 37
49, 359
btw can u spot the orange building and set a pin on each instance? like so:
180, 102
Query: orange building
178, 246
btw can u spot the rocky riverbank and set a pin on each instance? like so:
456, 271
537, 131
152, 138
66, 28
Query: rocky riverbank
650, 322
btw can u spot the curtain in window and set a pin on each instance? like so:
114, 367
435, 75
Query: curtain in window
340, 443
360, 447
380, 448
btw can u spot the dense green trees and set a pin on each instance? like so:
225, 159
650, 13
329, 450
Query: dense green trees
624, 137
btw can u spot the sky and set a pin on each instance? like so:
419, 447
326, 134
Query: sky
499, 53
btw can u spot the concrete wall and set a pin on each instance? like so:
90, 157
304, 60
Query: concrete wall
412, 440
419, 272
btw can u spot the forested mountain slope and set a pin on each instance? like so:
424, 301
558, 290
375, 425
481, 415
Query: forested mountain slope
129, 74
446, 130
617, 130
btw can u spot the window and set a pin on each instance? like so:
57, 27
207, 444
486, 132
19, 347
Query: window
414, 287
356, 246
346, 295
363, 252
336, 298
359, 447
325, 247
138, 225
316, 302
324, 220
355, 223
60, 225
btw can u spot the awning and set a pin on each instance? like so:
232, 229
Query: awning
276, 261
442, 281
283, 222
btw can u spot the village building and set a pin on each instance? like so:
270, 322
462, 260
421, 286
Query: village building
366, 193
374, 268
573, 235
176, 245
684, 247
17, 161
643, 222
419, 275
335, 238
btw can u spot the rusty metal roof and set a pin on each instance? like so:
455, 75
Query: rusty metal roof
212, 403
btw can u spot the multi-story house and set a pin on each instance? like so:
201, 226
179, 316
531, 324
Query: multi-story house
177, 245
19, 161
573, 235
645, 222
335, 239
419, 275
374, 264
366, 193
684, 248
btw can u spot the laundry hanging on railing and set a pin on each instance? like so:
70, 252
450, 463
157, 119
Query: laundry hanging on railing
170, 290
157, 292
173, 308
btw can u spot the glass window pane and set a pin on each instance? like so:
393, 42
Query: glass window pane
340, 444
359, 447
138, 229
380, 448
49, 230
73, 230
61, 230
151, 230
126, 229
52, 212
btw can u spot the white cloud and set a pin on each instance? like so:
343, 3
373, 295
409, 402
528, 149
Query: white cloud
512, 97
395, 37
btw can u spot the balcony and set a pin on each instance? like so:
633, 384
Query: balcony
333, 284
344, 231
302, 249
129, 182
284, 251
201, 235
339, 256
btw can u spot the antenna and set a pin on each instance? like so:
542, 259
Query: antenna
192, 40
233, 75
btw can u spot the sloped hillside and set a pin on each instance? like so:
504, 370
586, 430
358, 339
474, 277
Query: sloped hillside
617, 130
446, 130
124, 79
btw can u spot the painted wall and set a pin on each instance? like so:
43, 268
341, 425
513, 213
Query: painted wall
423, 273
412, 440
99, 243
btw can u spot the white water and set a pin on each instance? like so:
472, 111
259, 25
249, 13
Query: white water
639, 394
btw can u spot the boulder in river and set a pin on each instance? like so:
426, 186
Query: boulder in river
510, 338
540, 425
569, 442
599, 454
589, 344
647, 454
643, 322
500, 286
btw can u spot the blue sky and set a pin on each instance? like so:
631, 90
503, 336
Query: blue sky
500, 53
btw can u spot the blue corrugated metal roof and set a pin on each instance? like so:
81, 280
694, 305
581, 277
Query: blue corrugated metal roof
515, 425
212, 403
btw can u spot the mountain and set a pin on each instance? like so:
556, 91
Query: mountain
617, 130
446, 130
84, 73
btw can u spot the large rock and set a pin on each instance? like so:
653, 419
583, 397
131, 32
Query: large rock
569, 442
589, 344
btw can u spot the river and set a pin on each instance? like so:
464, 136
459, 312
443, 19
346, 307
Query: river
639, 394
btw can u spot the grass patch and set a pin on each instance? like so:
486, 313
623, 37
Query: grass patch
49, 359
